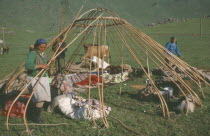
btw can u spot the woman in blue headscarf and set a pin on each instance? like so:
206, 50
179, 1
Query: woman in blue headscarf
35, 62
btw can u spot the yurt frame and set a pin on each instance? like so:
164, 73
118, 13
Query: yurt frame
134, 41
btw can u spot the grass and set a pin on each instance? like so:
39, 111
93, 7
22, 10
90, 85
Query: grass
143, 115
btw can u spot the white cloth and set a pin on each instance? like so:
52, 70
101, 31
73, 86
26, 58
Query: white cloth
115, 78
69, 106
101, 63
42, 89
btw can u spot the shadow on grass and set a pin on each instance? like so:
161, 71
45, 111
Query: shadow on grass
151, 100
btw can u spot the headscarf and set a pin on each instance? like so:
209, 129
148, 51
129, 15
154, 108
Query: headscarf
39, 41
173, 37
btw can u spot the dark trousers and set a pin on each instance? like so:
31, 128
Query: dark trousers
60, 63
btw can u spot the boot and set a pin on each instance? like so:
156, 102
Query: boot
46, 105
37, 115
30, 111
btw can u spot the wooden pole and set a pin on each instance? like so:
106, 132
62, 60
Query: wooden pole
148, 69
41, 73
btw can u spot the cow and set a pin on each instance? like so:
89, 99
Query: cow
86, 46
98, 51
5, 50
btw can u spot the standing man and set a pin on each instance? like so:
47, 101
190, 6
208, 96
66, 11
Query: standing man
60, 60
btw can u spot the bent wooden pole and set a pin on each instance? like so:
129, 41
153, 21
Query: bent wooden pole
54, 57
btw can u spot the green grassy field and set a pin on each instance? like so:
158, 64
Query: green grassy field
141, 115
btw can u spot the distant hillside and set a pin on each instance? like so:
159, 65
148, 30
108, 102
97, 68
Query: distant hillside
43, 15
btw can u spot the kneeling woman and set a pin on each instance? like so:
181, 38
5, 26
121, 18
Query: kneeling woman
35, 62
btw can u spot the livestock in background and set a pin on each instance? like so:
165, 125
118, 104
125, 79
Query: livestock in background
5, 50
98, 51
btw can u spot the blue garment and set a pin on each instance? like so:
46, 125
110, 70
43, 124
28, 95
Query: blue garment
173, 48
39, 41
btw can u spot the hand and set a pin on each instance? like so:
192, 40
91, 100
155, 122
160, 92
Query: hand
43, 66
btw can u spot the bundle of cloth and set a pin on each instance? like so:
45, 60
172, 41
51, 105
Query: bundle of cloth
76, 107
16, 85
75, 82
93, 80
115, 78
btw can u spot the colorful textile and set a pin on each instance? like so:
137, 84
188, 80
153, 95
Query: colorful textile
18, 108
65, 82
94, 80
75, 78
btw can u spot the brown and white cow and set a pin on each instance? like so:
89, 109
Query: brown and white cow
86, 46
98, 51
